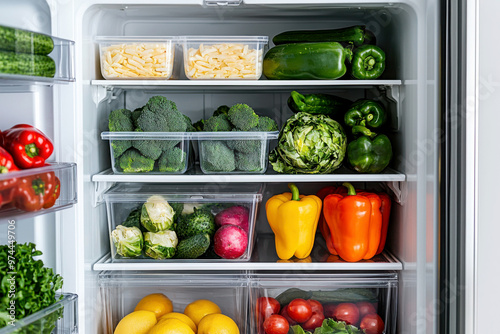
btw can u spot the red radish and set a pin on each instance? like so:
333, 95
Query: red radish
230, 242
235, 215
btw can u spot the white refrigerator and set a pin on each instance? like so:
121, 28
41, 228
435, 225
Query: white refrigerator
439, 87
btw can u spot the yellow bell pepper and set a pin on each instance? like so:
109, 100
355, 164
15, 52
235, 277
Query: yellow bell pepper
293, 219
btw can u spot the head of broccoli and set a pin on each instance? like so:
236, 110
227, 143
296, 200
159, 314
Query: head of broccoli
149, 148
243, 117
172, 160
149, 121
198, 126
160, 104
217, 123
216, 156
249, 162
221, 110
120, 120
134, 162
266, 124
245, 145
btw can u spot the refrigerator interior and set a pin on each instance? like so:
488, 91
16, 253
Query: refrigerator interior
76, 114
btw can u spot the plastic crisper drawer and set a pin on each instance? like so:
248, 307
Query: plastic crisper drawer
59, 318
359, 293
240, 201
120, 293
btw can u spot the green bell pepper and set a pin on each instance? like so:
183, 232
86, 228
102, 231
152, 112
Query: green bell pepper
325, 104
366, 113
370, 153
368, 62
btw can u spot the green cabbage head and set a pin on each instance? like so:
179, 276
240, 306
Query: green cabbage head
313, 144
127, 240
157, 215
160, 245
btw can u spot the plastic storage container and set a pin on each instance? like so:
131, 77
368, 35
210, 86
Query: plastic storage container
120, 293
124, 198
27, 55
223, 57
156, 142
60, 176
59, 318
360, 294
250, 151
137, 57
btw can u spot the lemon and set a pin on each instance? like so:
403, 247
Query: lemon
157, 303
179, 316
217, 324
171, 326
200, 308
138, 322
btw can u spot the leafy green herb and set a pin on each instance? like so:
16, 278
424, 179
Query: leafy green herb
329, 326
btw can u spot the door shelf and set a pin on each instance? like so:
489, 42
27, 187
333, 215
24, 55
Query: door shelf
65, 172
263, 258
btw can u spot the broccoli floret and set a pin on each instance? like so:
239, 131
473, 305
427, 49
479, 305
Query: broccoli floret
265, 124
217, 157
135, 115
149, 148
249, 162
149, 121
243, 117
222, 110
160, 104
217, 123
189, 124
134, 162
198, 126
120, 120
172, 160
172, 118
120, 146
244, 146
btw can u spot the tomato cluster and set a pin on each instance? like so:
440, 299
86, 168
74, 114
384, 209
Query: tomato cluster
309, 314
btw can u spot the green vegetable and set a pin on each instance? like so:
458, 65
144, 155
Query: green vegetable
120, 120
355, 34
370, 153
243, 117
149, 121
366, 113
189, 124
128, 241
149, 148
172, 160
217, 123
198, 126
134, 219
178, 208
368, 62
200, 221
193, 247
157, 215
292, 293
265, 124
133, 162
26, 64
346, 295
308, 143
249, 162
221, 110
329, 326
317, 103
304, 61
135, 115
35, 285
244, 145
161, 105
23, 41
217, 157
161, 245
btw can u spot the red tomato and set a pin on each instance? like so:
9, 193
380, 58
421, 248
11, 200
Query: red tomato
316, 320
329, 310
347, 312
284, 313
365, 308
267, 306
299, 310
276, 324
372, 324
315, 306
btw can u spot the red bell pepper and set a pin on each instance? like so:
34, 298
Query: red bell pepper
28, 145
6, 162
7, 184
385, 209
35, 190
50, 199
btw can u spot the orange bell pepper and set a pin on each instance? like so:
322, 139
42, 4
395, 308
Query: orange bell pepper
322, 224
354, 228
385, 209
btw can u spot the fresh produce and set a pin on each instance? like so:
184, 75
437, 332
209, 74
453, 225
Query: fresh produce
372, 323
235, 215
120, 120
312, 144
306, 61
172, 160
199, 308
23, 41
266, 306
137, 322
230, 242
157, 303
193, 247
7, 186
27, 64
180, 316
314, 321
28, 146
33, 192
356, 35
128, 241
366, 113
160, 245
6, 162
365, 308
347, 312
276, 324
35, 285
132, 161
329, 326
369, 153
294, 220
299, 310
284, 314
171, 326
317, 103
157, 215
325, 297
368, 62
217, 157
216, 323
200, 221
385, 209
355, 223
51, 197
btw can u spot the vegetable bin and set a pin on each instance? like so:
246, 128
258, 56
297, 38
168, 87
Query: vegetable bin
159, 222
120, 293
356, 298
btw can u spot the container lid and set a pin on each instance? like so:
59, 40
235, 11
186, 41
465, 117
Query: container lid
134, 38
187, 193
136, 135
229, 135
225, 39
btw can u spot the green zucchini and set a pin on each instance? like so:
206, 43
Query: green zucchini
23, 41
25, 64
290, 294
347, 295
305, 61
356, 35
193, 247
